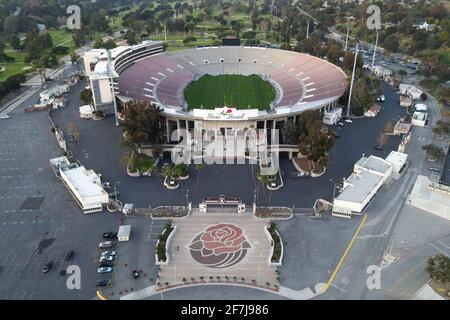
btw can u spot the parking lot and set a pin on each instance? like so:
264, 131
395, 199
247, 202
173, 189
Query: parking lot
39, 221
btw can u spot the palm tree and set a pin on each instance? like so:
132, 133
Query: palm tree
198, 167
166, 170
262, 180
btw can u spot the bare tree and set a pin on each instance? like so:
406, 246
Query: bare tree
382, 139
73, 130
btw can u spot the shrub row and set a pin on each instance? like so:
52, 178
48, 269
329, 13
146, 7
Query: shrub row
11, 83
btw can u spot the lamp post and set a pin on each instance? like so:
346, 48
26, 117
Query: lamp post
115, 190
351, 83
334, 189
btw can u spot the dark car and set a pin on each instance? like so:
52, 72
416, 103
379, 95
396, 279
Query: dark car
103, 282
69, 255
378, 148
106, 264
110, 235
47, 267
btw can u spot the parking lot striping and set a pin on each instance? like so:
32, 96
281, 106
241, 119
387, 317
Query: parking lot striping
407, 274
440, 250
347, 250
440, 242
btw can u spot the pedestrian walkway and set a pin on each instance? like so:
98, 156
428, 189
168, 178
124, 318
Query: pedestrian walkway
219, 248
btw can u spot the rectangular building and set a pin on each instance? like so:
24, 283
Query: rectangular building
369, 175
84, 185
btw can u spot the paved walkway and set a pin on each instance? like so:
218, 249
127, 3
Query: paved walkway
304, 294
244, 261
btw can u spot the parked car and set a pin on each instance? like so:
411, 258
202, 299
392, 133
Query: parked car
434, 169
106, 258
47, 267
110, 235
104, 270
381, 98
69, 255
378, 148
340, 124
348, 120
109, 253
105, 264
105, 244
104, 282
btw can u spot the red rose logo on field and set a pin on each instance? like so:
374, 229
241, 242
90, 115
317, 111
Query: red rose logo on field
220, 246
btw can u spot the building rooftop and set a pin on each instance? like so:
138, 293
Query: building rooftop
397, 159
360, 185
373, 163
84, 181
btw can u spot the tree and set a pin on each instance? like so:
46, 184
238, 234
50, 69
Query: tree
362, 97
74, 57
434, 151
402, 73
11, 24
438, 267
442, 128
86, 96
143, 122
315, 139
73, 130
131, 37
14, 41
291, 133
391, 43
198, 168
382, 139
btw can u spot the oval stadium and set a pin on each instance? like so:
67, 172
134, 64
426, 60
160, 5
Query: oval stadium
258, 87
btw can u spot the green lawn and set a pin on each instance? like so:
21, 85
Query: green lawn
12, 68
63, 38
233, 90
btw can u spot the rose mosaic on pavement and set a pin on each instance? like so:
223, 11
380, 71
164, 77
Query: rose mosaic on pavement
220, 246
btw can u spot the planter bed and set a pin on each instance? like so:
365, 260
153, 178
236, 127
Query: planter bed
162, 246
170, 212
276, 256
274, 212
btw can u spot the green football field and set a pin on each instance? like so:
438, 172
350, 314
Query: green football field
233, 90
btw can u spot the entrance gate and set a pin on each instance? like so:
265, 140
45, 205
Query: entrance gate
222, 204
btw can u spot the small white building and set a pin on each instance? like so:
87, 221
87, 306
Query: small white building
84, 185
398, 161
86, 111
124, 232
332, 116
420, 115
369, 175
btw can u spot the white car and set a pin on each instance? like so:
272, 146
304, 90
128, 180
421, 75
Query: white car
381, 98
108, 253
106, 258
105, 244
348, 120
4, 116
104, 270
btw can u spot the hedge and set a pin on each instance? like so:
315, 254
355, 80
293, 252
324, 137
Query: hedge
11, 83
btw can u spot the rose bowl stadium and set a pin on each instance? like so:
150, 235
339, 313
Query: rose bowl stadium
216, 87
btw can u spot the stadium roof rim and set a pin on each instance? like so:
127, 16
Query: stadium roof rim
160, 77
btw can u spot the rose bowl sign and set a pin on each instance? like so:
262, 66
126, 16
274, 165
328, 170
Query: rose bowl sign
220, 246
225, 113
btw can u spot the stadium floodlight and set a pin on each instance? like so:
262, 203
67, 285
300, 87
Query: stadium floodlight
351, 83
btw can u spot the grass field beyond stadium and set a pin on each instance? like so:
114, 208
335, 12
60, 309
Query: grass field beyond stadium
242, 92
